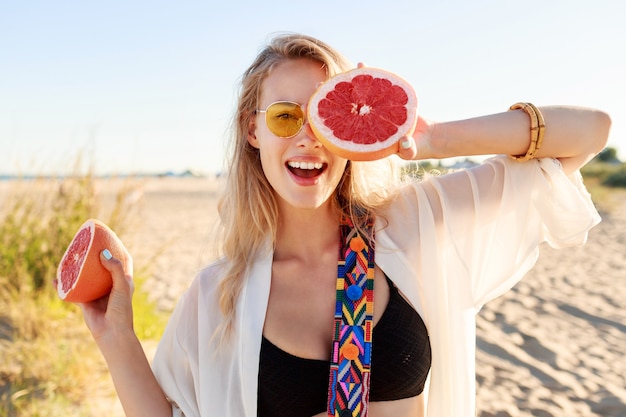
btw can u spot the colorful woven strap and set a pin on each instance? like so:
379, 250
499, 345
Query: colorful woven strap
349, 380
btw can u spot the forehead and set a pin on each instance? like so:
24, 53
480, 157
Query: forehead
292, 80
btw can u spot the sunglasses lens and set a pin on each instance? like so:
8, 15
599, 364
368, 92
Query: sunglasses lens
284, 119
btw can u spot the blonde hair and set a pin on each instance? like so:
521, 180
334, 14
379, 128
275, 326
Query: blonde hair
248, 209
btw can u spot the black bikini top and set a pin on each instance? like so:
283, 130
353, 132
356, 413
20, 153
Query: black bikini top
290, 386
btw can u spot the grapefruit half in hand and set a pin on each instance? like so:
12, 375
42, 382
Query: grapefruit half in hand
80, 276
362, 114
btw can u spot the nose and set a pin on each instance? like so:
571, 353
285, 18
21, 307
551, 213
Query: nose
306, 137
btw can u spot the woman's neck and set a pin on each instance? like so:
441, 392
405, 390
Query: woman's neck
306, 233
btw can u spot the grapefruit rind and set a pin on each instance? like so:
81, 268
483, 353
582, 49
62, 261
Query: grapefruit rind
92, 280
349, 149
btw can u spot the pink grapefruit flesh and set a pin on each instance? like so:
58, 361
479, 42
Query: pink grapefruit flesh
362, 114
80, 275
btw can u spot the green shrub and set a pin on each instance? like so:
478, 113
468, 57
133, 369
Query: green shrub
49, 364
599, 170
617, 178
608, 154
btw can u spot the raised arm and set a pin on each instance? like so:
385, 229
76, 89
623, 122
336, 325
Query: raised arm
110, 321
574, 135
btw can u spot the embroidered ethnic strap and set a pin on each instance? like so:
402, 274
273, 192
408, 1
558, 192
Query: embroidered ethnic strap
349, 380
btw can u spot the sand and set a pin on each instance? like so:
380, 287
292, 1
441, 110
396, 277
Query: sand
555, 344
170, 235
552, 346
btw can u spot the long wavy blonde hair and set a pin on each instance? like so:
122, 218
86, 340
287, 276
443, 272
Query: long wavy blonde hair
248, 210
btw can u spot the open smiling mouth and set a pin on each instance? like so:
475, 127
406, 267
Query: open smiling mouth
306, 169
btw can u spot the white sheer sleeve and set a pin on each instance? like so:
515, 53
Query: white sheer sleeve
454, 242
496, 215
174, 364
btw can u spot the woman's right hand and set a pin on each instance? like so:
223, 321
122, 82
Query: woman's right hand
111, 315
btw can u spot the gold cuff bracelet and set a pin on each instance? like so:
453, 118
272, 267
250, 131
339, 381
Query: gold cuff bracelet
537, 130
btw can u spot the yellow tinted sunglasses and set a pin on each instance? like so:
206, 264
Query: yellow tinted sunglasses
285, 119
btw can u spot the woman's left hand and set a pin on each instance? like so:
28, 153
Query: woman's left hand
417, 145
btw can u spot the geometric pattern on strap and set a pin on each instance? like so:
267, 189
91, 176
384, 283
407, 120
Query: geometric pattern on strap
349, 379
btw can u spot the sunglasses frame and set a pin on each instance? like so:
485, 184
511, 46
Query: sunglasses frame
286, 102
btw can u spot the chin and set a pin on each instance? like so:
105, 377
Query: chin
307, 203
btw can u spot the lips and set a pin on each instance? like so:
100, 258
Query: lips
306, 169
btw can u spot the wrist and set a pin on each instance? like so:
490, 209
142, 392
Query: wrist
117, 344
438, 143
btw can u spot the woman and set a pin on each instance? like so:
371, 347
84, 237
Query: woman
252, 334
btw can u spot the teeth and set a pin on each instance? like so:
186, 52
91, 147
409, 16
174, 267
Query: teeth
305, 165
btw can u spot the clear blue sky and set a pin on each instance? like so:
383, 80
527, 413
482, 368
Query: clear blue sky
149, 86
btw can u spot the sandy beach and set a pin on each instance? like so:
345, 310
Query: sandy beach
555, 344
552, 346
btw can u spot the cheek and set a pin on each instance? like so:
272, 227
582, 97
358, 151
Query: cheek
339, 166
267, 143
270, 154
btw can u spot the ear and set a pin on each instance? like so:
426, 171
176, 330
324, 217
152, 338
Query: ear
252, 139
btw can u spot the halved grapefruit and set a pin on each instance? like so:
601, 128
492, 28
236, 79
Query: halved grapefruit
361, 114
80, 275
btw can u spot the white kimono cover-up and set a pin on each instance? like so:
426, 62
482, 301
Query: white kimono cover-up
452, 243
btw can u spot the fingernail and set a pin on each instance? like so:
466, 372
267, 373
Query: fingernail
107, 255
406, 144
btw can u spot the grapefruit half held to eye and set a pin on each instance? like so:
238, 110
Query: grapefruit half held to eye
80, 275
361, 114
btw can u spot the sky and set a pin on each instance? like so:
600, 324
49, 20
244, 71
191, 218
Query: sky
130, 87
